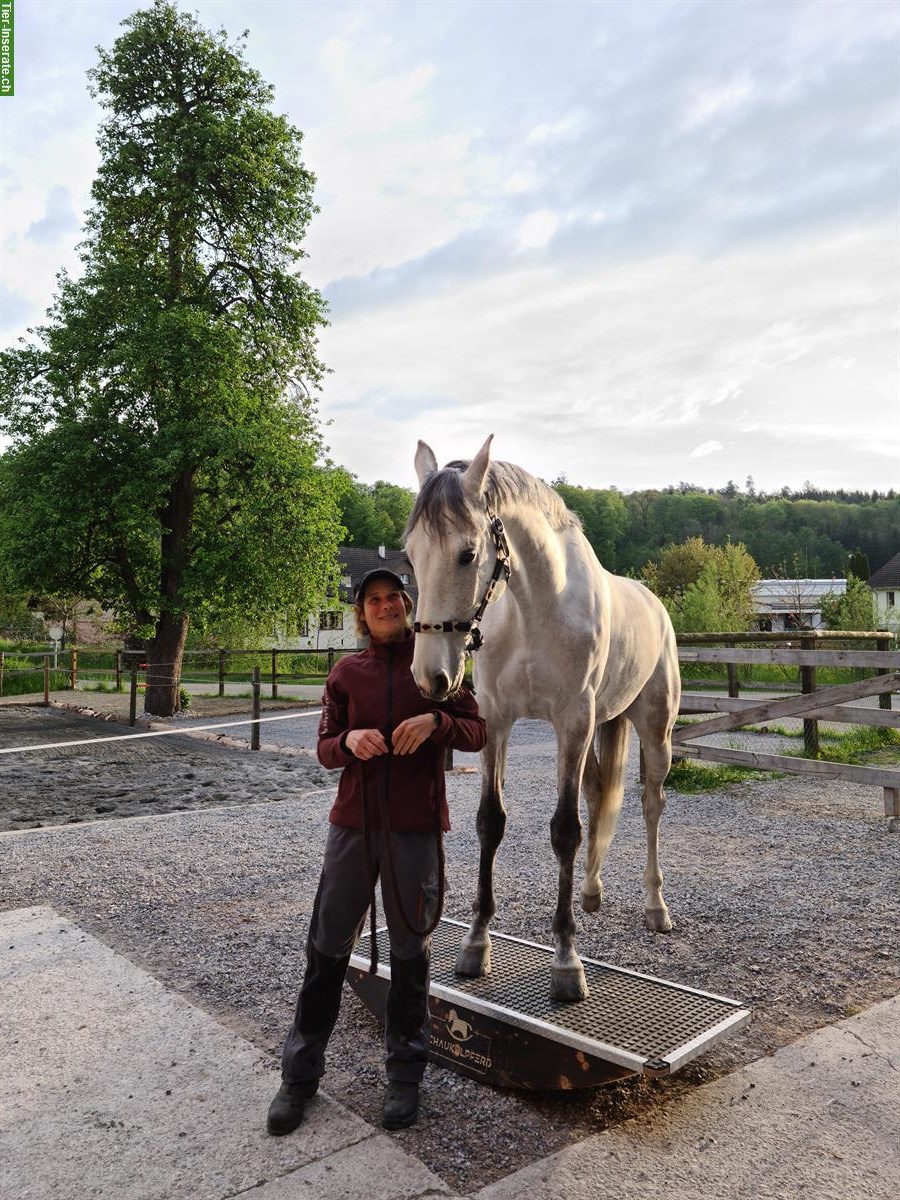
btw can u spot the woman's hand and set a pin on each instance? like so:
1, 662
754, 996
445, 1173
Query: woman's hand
366, 743
411, 733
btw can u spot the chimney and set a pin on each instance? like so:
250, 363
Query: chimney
381, 551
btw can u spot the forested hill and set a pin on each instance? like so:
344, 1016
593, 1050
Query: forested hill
809, 534
790, 534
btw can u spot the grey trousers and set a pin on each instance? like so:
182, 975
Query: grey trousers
339, 913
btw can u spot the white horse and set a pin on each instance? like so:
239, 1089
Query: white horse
564, 641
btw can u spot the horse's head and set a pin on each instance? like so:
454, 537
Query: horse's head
455, 553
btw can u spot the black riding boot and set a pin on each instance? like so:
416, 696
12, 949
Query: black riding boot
406, 1032
303, 1057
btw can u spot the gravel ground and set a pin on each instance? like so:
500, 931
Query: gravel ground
783, 893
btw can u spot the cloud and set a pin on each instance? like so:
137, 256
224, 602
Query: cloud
710, 103
59, 218
617, 377
706, 448
15, 311
537, 230
566, 127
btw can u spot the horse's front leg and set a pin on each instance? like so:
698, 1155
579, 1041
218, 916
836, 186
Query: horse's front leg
474, 957
574, 730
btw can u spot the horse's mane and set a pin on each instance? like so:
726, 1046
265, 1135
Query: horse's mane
442, 503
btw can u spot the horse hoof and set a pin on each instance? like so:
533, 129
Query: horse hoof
591, 901
568, 984
658, 920
473, 961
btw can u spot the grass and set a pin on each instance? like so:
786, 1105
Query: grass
865, 745
692, 777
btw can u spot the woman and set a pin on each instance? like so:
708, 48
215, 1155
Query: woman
390, 742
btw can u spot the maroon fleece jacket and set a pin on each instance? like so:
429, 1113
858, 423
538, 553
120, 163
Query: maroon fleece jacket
375, 690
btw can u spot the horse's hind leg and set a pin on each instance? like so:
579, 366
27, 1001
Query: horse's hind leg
657, 761
574, 730
474, 957
604, 786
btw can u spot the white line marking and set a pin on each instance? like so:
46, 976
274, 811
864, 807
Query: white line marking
130, 737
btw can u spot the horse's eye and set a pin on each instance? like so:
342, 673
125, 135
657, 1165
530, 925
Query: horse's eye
466, 557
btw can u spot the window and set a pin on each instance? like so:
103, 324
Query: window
404, 578
891, 601
331, 620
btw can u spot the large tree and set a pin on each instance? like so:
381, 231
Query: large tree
165, 443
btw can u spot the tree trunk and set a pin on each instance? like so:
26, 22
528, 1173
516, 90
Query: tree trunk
166, 650
164, 655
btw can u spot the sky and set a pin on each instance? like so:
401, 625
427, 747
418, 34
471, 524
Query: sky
639, 243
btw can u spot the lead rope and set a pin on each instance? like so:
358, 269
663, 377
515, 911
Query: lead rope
392, 872
370, 873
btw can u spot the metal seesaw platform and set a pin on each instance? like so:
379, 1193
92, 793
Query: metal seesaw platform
505, 1029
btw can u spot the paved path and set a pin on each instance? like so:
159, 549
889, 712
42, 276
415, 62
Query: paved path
114, 1086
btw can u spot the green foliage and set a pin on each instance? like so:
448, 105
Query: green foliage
373, 514
604, 519
858, 565
678, 567
854, 610
164, 442
819, 529
17, 621
705, 588
865, 744
687, 776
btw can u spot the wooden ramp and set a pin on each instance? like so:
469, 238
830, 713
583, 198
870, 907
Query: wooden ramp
505, 1029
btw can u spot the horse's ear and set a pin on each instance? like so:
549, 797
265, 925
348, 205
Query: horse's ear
473, 476
426, 463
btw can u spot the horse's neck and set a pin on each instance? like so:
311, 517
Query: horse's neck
540, 561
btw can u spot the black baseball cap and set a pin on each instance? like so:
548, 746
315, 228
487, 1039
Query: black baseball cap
371, 576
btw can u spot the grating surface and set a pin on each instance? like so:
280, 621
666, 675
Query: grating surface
645, 1017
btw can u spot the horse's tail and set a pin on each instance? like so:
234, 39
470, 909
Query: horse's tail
604, 787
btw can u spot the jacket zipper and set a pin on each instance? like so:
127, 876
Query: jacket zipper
390, 730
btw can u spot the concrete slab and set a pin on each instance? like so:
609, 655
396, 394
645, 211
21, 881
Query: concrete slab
817, 1119
113, 1086
376, 1169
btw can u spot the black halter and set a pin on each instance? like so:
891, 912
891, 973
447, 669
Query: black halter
501, 567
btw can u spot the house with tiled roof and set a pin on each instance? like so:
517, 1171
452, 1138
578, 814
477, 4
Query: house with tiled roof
885, 585
333, 626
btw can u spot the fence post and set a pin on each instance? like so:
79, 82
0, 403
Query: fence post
132, 702
2, 664
274, 674
254, 729
73, 669
733, 690
330, 660
46, 681
883, 643
892, 808
118, 670
807, 687
221, 672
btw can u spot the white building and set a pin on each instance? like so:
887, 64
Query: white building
789, 604
885, 585
333, 626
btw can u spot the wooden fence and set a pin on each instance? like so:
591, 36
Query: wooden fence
808, 651
217, 669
